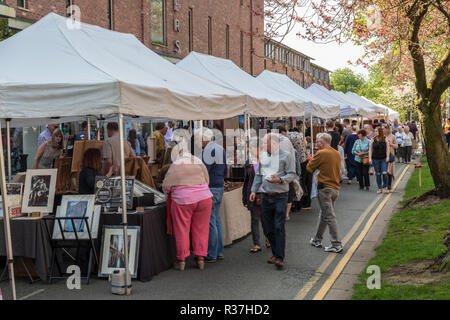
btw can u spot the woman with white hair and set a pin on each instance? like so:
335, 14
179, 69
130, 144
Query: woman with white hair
399, 137
189, 205
407, 144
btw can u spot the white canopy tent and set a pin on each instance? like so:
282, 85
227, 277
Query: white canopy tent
263, 101
366, 103
391, 114
348, 107
314, 104
68, 72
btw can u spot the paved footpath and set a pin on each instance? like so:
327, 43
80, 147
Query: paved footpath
310, 273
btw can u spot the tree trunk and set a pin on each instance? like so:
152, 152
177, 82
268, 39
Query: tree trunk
436, 148
444, 261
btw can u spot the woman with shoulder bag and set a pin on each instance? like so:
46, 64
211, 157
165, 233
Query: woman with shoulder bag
361, 151
392, 144
379, 155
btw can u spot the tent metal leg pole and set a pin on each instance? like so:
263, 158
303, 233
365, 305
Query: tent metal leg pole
9, 252
312, 137
246, 135
8, 149
124, 202
88, 129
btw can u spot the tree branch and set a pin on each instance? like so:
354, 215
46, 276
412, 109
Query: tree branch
416, 51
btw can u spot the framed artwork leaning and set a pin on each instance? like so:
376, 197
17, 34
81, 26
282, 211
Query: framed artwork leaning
77, 206
39, 191
112, 256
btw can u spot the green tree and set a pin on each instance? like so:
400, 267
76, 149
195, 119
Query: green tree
346, 80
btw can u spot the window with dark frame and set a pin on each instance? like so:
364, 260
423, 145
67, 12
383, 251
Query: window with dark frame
209, 35
158, 22
22, 4
227, 41
191, 29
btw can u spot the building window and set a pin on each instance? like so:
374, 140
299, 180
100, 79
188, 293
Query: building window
209, 35
242, 3
227, 41
158, 22
191, 29
22, 4
242, 49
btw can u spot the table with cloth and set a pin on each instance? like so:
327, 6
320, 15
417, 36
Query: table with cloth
156, 251
234, 216
29, 240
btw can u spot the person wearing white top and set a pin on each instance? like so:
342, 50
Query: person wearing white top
407, 138
400, 150
286, 146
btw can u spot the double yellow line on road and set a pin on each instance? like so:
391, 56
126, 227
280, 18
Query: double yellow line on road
337, 271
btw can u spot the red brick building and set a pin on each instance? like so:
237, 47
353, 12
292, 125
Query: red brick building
232, 29
296, 65
172, 28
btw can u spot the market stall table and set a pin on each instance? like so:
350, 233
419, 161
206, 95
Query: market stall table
29, 240
234, 216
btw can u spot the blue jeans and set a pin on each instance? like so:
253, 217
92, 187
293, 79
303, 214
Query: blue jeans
273, 217
215, 242
381, 167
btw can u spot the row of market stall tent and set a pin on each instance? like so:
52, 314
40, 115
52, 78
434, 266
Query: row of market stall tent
73, 71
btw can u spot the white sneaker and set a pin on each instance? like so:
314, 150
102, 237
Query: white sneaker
336, 249
315, 243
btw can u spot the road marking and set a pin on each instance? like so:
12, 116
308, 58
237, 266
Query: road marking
32, 294
343, 262
310, 284
319, 272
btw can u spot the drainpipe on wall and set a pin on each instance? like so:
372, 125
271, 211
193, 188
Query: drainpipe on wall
142, 21
251, 37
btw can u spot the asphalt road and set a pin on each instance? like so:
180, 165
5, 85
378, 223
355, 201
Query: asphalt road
241, 275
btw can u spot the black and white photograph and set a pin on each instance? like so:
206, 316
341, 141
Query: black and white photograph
108, 192
39, 190
112, 252
77, 206
14, 189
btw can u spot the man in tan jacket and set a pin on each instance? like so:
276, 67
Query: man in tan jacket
328, 161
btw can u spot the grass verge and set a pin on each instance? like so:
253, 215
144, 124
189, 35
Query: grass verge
414, 235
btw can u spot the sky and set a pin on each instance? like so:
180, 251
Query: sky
330, 56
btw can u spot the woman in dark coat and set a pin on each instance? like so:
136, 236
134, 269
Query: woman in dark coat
253, 206
348, 146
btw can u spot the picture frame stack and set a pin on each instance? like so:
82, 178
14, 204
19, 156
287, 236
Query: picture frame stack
14, 193
108, 192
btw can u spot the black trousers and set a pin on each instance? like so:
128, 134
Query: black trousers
363, 175
306, 180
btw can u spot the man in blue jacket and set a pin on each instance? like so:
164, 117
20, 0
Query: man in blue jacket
214, 158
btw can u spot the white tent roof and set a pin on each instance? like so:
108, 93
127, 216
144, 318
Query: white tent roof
392, 114
365, 103
263, 101
67, 72
348, 107
283, 84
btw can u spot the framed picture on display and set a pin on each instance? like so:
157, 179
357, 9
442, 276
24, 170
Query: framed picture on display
108, 192
76, 206
39, 191
14, 195
112, 254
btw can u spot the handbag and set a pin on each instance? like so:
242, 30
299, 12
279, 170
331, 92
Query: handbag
364, 159
391, 158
